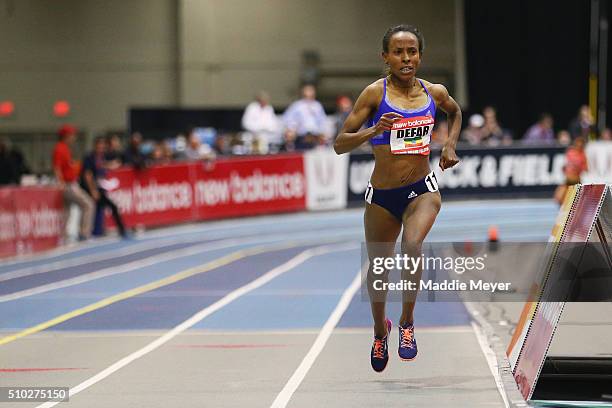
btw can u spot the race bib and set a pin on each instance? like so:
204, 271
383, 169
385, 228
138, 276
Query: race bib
411, 135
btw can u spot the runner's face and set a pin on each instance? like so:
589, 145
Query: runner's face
403, 57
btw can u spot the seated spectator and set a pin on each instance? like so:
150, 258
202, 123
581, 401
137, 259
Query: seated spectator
179, 146
583, 124
540, 132
289, 141
94, 169
133, 156
66, 172
493, 133
304, 122
162, 153
222, 144
564, 138
473, 133
260, 120
113, 155
196, 150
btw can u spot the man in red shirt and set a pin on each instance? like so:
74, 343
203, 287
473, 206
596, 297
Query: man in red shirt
67, 173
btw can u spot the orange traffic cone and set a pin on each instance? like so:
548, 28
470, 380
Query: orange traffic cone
493, 234
493, 238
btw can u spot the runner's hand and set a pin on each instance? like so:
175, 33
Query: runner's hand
448, 158
386, 121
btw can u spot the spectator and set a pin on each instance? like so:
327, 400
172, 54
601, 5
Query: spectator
606, 134
222, 145
575, 165
582, 124
344, 106
8, 171
304, 121
474, 132
17, 160
67, 171
493, 133
541, 132
179, 147
289, 141
94, 170
113, 155
564, 138
162, 153
260, 120
132, 156
196, 150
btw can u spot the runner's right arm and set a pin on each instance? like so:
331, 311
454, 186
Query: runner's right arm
350, 136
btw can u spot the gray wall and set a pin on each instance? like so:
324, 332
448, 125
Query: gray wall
104, 56
101, 56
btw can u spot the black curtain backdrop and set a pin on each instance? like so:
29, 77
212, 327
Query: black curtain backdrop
527, 57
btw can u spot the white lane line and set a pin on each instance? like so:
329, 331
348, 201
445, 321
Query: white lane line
300, 373
260, 222
491, 361
115, 270
134, 248
82, 260
452, 209
180, 234
202, 314
58, 251
143, 263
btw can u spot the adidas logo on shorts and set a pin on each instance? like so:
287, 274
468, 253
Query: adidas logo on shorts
412, 194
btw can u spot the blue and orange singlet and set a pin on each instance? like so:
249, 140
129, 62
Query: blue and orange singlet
412, 133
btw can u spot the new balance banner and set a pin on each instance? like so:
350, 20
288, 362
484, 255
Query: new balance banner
31, 219
250, 186
153, 196
193, 191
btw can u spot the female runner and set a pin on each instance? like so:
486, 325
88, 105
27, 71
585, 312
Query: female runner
403, 191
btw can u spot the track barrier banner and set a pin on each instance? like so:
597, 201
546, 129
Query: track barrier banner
154, 196
326, 178
599, 159
195, 191
249, 186
31, 219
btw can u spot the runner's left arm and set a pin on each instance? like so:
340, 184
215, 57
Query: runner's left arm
448, 157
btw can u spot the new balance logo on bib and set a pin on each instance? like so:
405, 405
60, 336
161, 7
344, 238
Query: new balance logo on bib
411, 135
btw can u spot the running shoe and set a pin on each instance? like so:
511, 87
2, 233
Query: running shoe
379, 355
407, 343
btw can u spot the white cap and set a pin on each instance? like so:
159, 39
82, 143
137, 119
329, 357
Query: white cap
476, 120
